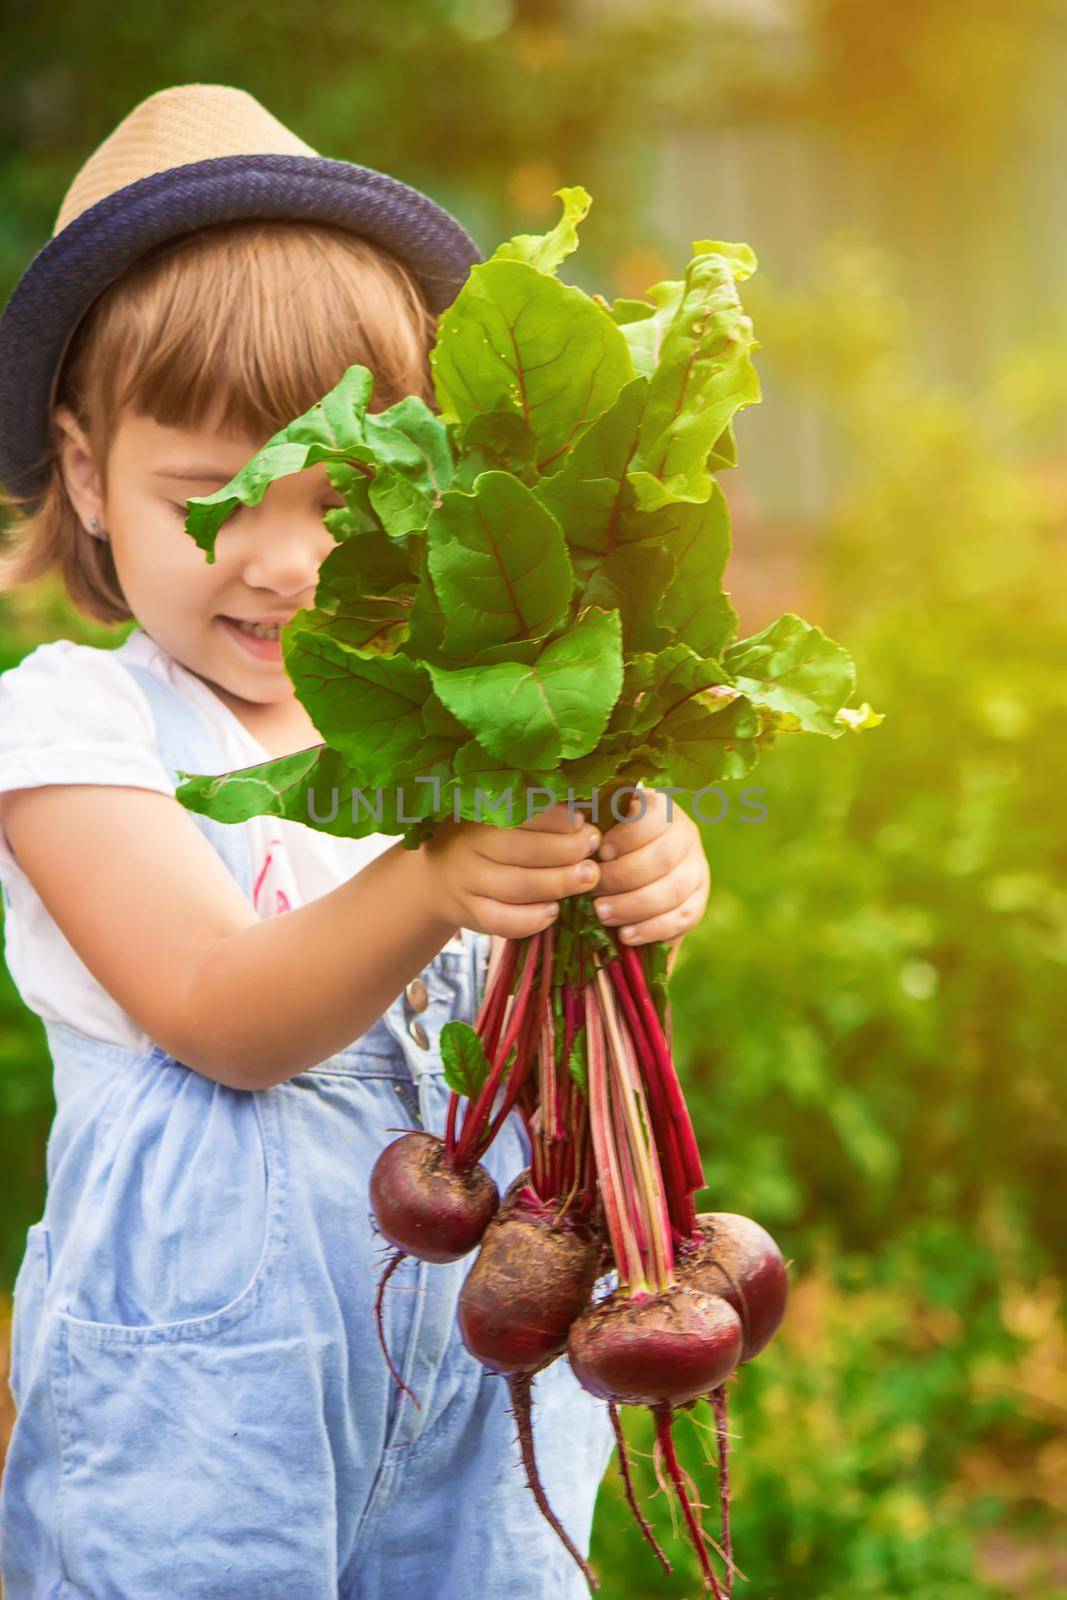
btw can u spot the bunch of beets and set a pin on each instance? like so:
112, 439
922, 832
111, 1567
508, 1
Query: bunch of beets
578, 1045
525, 596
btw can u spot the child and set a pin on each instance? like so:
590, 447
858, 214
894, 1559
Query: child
203, 1408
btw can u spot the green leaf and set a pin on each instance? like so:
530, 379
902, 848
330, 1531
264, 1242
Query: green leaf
533, 715
694, 609
484, 789
330, 430
589, 494
403, 450
655, 957
633, 579
545, 251
690, 711
315, 787
644, 325
578, 1061
464, 1059
365, 705
791, 667
499, 565
364, 593
413, 460
704, 375
517, 342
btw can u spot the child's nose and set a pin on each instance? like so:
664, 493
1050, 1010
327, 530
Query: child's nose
287, 561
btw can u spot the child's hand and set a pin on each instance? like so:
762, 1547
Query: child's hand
654, 880
508, 881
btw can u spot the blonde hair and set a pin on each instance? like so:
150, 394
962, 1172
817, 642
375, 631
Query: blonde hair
260, 318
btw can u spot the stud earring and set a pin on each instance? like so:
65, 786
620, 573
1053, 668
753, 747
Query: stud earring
95, 528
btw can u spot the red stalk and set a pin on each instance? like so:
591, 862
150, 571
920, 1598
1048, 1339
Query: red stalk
474, 1121
675, 1100
718, 1401
628, 1487
620, 1230
675, 1177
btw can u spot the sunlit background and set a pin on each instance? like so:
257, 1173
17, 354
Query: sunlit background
872, 1019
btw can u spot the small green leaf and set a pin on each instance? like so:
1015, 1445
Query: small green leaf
859, 717
578, 1061
367, 706
545, 251
694, 609
465, 1061
656, 955
364, 593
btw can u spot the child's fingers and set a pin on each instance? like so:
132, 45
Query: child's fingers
649, 819
653, 899
668, 924
511, 921
650, 861
557, 819
525, 885
519, 848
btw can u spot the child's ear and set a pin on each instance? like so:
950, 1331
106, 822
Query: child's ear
80, 475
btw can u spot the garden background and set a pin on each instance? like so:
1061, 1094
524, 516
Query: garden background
872, 1018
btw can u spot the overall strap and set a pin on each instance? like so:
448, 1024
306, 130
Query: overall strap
187, 741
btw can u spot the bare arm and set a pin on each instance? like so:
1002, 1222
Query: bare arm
159, 921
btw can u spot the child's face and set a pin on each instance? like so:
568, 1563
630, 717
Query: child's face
266, 563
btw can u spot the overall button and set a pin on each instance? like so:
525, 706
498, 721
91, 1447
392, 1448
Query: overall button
418, 996
418, 1033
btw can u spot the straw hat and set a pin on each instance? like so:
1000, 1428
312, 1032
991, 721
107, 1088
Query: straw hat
187, 156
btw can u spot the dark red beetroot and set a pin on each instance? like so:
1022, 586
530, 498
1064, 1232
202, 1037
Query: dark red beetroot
423, 1206
737, 1259
651, 1350
533, 1276
660, 1350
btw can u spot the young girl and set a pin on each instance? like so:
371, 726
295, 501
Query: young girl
241, 1017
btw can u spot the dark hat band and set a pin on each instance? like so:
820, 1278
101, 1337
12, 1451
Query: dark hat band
78, 264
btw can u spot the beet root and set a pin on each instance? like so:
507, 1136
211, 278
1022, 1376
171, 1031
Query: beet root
735, 1258
534, 1275
683, 1489
519, 1386
654, 1350
629, 1491
423, 1206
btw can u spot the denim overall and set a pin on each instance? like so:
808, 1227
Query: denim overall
203, 1409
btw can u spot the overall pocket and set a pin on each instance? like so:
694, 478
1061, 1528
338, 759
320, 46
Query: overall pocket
183, 1218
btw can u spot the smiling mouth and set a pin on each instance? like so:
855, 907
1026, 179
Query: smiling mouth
257, 630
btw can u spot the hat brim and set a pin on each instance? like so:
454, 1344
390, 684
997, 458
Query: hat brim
76, 266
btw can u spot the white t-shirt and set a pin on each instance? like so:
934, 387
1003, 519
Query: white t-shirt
70, 713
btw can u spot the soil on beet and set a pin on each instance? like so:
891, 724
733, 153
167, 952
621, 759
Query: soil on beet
532, 1278
423, 1206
